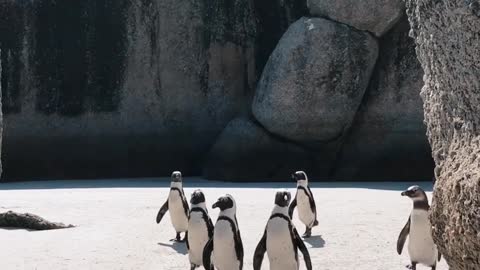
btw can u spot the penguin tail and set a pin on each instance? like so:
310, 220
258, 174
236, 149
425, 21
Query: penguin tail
315, 223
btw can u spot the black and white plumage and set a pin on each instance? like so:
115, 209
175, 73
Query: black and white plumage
304, 201
200, 229
225, 250
177, 205
281, 240
421, 248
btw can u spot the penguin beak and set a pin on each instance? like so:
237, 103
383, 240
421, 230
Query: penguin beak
215, 205
404, 193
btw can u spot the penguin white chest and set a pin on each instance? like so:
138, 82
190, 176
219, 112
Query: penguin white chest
305, 213
224, 255
177, 213
421, 247
280, 248
197, 237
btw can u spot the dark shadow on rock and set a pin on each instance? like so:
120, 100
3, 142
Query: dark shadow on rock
180, 247
316, 241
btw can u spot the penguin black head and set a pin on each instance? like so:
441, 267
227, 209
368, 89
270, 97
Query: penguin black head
176, 176
299, 175
415, 192
197, 197
282, 198
224, 202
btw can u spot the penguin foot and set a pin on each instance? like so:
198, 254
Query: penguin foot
192, 266
412, 266
308, 233
177, 238
315, 223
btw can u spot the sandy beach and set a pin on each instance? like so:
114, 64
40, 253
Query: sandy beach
116, 229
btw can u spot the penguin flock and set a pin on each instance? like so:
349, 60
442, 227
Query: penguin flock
219, 246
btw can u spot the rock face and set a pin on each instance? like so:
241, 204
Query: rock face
447, 35
314, 81
128, 87
132, 88
390, 116
376, 16
273, 19
245, 151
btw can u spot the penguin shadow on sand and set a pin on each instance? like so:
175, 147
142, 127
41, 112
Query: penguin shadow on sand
315, 241
179, 247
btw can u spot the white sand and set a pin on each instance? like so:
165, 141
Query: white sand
359, 224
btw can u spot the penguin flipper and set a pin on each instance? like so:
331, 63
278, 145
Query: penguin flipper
162, 212
207, 254
239, 247
186, 240
260, 252
313, 207
292, 207
210, 227
403, 237
303, 249
439, 255
186, 208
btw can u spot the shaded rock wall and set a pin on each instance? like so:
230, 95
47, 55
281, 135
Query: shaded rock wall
244, 149
447, 34
309, 97
141, 87
123, 87
388, 132
273, 18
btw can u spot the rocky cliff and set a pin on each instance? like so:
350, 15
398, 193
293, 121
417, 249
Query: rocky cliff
447, 34
104, 88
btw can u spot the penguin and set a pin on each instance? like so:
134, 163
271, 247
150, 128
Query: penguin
200, 229
421, 248
280, 239
225, 248
178, 206
307, 211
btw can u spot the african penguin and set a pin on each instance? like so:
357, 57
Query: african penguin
225, 248
305, 202
280, 239
200, 229
178, 206
420, 245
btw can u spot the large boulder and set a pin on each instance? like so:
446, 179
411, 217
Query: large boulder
387, 140
101, 88
447, 35
375, 16
314, 81
245, 151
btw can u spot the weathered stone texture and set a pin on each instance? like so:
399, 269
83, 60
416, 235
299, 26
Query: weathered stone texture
387, 140
375, 16
447, 35
121, 88
314, 81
